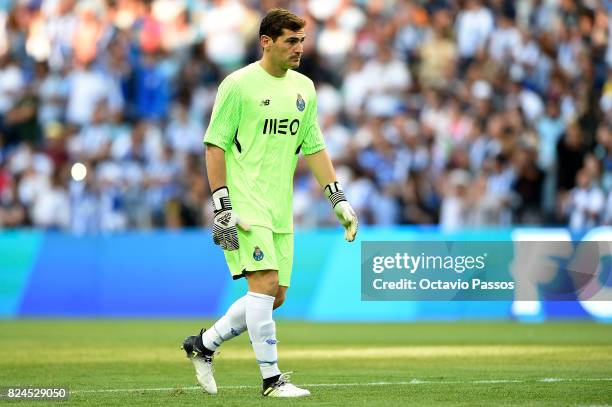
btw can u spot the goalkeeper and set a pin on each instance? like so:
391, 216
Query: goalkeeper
264, 115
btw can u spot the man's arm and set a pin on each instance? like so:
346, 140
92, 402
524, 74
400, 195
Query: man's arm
226, 219
321, 167
215, 166
222, 128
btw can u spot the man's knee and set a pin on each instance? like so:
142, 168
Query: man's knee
279, 300
280, 296
264, 282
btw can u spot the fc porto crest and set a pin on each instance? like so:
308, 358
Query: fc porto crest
300, 103
258, 255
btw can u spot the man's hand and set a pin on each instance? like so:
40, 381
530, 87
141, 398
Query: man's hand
343, 210
225, 233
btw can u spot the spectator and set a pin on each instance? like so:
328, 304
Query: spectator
183, 133
438, 56
51, 207
571, 151
456, 206
387, 78
152, 92
584, 203
527, 187
86, 88
474, 25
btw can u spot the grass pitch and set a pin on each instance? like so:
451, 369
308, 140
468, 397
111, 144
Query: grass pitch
139, 363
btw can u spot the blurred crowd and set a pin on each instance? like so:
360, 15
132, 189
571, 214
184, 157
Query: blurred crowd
463, 113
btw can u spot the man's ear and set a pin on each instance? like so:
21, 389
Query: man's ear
265, 41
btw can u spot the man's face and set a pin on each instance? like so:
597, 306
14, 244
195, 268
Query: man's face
287, 50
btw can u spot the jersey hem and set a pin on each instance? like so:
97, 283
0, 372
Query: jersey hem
217, 144
314, 151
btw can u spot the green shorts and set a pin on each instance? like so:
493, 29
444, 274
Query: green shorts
262, 249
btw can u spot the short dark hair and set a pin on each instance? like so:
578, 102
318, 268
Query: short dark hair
278, 19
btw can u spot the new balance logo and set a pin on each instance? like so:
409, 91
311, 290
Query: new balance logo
265, 102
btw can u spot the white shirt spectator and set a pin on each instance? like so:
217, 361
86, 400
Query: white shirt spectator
473, 29
123, 147
86, 89
527, 51
354, 89
20, 159
31, 185
11, 85
323, 9
51, 208
568, 53
61, 29
532, 104
52, 92
329, 100
334, 43
110, 179
351, 18
91, 141
503, 42
85, 208
583, 200
452, 214
387, 78
455, 210
337, 137
185, 135
223, 28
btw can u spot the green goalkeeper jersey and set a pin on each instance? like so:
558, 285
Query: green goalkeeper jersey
262, 123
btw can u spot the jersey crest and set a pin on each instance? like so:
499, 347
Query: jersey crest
300, 103
258, 254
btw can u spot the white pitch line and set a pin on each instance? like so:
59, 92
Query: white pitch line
403, 383
496, 381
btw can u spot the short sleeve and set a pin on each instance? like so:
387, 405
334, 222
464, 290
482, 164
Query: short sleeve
313, 138
225, 117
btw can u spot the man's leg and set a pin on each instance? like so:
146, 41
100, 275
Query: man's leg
233, 323
264, 293
263, 287
229, 326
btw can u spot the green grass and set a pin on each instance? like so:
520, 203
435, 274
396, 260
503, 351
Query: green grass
382, 364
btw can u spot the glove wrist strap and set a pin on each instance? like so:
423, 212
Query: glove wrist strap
333, 191
221, 200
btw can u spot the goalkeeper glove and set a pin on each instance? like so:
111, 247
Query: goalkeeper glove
343, 210
224, 229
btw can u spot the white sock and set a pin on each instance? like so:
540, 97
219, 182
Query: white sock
229, 326
262, 331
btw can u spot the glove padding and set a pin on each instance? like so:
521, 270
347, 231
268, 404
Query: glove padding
343, 210
224, 231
